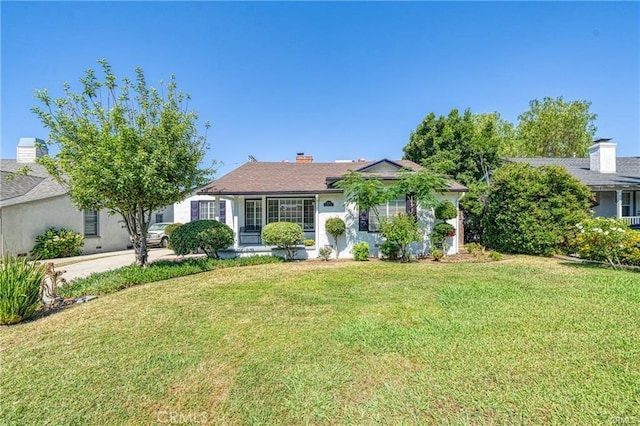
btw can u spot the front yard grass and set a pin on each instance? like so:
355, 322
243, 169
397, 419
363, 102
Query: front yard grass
526, 340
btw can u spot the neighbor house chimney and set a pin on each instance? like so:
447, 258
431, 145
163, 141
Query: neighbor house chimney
301, 158
602, 156
31, 148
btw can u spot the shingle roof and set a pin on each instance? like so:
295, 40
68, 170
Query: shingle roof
259, 177
36, 185
627, 170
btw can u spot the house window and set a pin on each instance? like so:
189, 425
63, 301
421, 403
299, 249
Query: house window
385, 211
296, 210
626, 203
207, 210
253, 215
159, 217
91, 223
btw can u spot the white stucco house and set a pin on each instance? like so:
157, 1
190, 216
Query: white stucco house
614, 180
258, 193
32, 203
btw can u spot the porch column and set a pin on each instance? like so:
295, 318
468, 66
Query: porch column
216, 207
317, 226
618, 204
235, 206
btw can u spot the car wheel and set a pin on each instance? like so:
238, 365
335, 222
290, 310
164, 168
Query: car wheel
164, 242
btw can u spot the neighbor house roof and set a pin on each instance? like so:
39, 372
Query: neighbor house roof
258, 177
37, 184
627, 171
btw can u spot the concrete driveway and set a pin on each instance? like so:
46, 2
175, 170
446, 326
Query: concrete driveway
83, 266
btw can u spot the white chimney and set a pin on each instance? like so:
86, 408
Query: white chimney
602, 156
31, 148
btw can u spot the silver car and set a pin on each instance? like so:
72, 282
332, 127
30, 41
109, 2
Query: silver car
156, 235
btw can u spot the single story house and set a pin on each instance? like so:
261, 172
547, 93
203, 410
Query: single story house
614, 180
258, 193
32, 203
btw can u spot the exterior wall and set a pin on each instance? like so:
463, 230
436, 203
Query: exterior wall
22, 223
166, 212
352, 236
181, 212
607, 206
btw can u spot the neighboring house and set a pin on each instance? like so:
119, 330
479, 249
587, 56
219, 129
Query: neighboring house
30, 204
258, 193
614, 180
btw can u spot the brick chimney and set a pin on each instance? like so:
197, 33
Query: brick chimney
301, 158
602, 156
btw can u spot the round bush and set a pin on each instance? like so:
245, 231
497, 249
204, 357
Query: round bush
360, 251
437, 255
446, 211
170, 228
534, 210
55, 243
284, 235
206, 235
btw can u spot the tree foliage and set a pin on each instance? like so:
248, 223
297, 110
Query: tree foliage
124, 147
464, 147
534, 210
284, 235
555, 128
367, 192
206, 235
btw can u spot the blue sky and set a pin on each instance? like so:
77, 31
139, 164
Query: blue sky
332, 80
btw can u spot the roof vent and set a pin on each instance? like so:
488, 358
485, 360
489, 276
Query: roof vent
29, 149
602, 156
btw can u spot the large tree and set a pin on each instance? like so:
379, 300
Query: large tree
464, 147
124, 146
554, 128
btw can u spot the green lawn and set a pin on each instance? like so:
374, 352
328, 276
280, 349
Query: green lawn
524, 340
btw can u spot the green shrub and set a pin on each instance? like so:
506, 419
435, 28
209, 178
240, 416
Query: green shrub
335, 227
389, 250
440, 233
401, 230
533, 210
206, 235
20, 282
474, 249
170, 228
118, 279
446, 211
494, 255
325, 253
437, 255
309, 243
284, 235
360, 251
607, 239
55, 243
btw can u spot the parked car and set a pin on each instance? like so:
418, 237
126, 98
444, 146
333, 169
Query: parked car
156, 235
